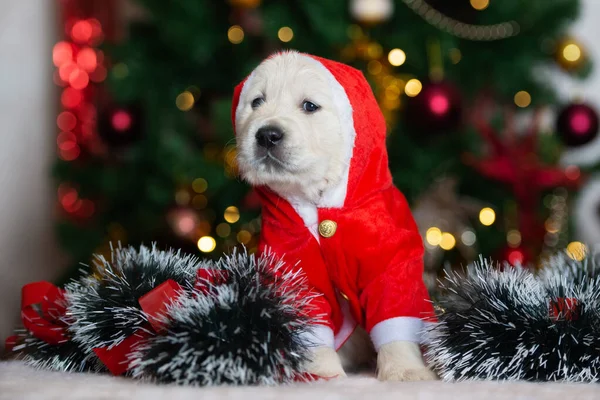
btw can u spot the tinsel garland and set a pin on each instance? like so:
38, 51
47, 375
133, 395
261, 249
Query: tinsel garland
235, 321
505, 323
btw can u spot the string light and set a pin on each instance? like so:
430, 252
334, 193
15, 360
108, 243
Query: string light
199, 202
200, 185
374, 67
571, 52
459, 29
244, 237
468, 238
223, 230
235, 34
433, 236
206, 244
480, 4
285, 34
513, 238
455, 55
576, 250
396, 57
448, 241
374, 50
120, 70
413, 87
522, 99
232, 214
487, 216
185, 101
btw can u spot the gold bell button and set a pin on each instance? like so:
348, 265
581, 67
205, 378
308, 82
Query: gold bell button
327, 228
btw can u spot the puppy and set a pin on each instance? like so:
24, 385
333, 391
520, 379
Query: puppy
311, 139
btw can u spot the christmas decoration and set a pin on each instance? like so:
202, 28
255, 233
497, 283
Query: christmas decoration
570, 54
458, 28
246, 331
172, 318
512, 325
436, 108
515, 256
577, 124
105, 305
46, 342
371, 11
120, 126
514, 162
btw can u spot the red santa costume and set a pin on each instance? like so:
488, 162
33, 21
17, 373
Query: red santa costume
359, 246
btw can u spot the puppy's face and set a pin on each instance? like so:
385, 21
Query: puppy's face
288, 130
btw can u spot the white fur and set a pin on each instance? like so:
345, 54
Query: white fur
311, 171
317, 147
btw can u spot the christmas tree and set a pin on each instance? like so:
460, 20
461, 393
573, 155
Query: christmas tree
147, 153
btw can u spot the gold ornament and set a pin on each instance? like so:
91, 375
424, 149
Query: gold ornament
245, 3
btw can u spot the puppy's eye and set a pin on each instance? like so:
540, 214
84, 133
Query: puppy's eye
309, 107
257, 102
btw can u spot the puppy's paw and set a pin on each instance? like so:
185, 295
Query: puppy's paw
402, 361
406, 374
325, 363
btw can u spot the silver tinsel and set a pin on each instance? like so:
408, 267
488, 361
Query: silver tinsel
497, 323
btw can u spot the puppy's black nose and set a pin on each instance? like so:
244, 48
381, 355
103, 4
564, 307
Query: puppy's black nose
269, 136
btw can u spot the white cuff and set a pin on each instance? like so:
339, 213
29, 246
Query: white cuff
318, 336
406, 329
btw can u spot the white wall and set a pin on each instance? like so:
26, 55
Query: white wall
27, 141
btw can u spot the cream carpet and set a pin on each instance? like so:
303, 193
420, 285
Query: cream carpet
18, 382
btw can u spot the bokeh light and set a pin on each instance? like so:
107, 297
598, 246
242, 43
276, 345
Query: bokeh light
200, 185
121, 120
66, 121
487, 216
235, 34
285, 34
223, 230
571, 52
396, 57
468, 237
185, 101
244, 237
480, 4
231, 214
522, 99
576, 250
82, 31
413, 87
439, 104
513, 238
206, 244
448, 241
433, 236
62, 53
87, 59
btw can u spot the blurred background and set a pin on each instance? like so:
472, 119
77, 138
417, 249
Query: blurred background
116, 123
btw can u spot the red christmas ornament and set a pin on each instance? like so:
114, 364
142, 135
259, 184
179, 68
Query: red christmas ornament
514, 162
577, 124
436, 109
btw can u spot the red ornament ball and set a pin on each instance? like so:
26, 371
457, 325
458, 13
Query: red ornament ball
577, 124
436, 109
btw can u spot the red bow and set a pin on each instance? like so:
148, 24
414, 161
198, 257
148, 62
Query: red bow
43, 309
155, 304
564, 309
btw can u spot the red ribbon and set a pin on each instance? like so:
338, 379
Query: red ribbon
564, 309
46, 322
155, 305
